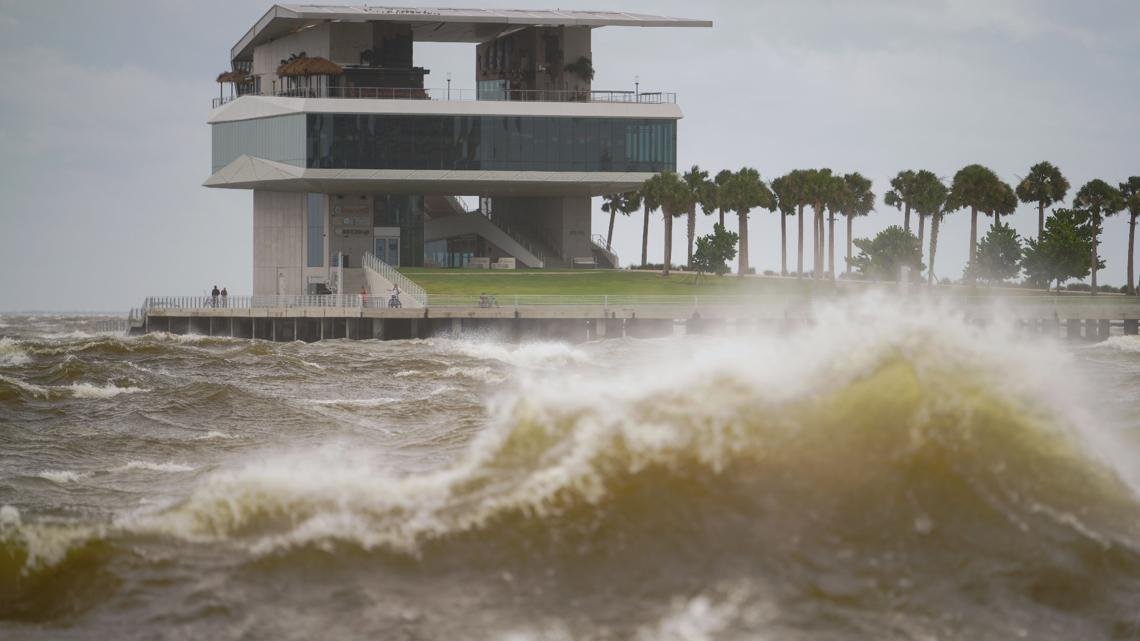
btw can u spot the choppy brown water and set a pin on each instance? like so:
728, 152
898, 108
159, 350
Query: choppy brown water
884, 475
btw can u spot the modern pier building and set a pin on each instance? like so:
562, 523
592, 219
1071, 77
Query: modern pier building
348, 152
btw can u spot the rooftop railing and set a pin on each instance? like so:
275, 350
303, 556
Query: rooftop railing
467, 95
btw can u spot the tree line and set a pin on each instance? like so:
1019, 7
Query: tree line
1061, 233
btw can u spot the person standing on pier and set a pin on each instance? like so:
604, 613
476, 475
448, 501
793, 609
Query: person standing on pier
225, 297
214, 296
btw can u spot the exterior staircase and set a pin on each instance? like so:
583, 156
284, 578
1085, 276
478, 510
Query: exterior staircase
605, 256
528, 252
381, 277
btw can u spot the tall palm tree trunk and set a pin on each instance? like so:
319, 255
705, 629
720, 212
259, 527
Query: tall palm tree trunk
1095, 222
1131, 251
822, 242
831, 246
783, 244
610, 233
668, 241
1040, 220
743, 253
997, 219
933, 248
849, 220
921, 230
800, 252
973, 243
906, 217
722, 218
692, 230
817, 265
645, 238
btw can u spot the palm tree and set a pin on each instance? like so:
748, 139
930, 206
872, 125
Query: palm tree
1004, 202
900, 194
721, 178
742, 193
648, 206
838, 193
787, 191
1100, 199
1131, 192
1045, 185
614, 204
820, 190
856, 199
697, 180
975, 187
667, 191
929, 198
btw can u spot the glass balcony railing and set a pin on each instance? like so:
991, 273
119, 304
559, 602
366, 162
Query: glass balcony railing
525, 95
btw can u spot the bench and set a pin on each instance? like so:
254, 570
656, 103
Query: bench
583, 261
479, 263
504, 263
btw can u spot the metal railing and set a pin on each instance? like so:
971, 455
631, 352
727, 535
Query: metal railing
519, 237
610, 301
393, 275
601, 245
466, 95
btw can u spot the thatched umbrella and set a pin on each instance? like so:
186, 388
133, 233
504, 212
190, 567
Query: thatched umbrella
306, 67
234, 77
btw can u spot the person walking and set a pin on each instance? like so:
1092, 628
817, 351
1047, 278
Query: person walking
214, 293
364, 297
225, 297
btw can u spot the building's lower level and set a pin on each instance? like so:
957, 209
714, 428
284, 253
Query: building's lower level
313, 243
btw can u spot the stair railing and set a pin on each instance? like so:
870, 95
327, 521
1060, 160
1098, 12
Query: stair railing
392, 275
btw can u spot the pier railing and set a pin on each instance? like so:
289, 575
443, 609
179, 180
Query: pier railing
610, 301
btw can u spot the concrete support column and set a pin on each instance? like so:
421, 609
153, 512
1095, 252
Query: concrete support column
1090, 329
1103, 328
1131, 326
1072, 328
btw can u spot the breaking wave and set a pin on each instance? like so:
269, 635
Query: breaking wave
11, 354
887, 415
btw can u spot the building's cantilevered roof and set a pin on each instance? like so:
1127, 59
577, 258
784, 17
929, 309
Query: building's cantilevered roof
442, 25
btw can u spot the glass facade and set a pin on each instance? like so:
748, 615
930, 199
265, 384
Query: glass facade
315, 231
488, 143
407, 213
479, 143
280, 138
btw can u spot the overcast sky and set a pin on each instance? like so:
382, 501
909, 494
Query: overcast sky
105, 142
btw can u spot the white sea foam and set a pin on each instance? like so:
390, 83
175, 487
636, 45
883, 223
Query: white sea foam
353, 402
87, 390
484, 374
214, 435
34, 390
534, 355
149, 466
60, 476
11, 354
1129, 344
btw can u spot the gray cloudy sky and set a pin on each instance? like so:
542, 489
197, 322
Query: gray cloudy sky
102, 119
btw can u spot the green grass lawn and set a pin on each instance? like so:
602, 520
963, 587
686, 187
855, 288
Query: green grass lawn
601, 282
473, 282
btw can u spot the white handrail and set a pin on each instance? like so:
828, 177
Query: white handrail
392, 275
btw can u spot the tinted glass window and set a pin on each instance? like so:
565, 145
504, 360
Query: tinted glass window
490, 143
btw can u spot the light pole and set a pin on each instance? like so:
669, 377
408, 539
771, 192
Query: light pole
637, 88
449, 85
